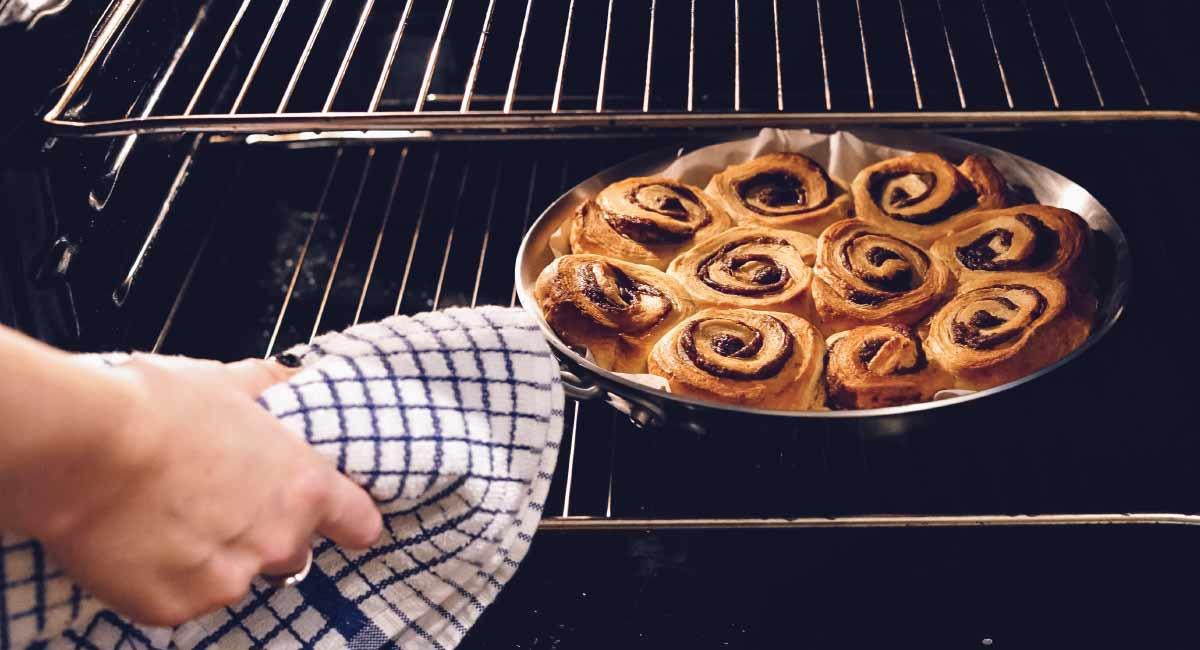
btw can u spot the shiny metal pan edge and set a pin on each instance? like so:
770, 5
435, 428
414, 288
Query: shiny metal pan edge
651, 407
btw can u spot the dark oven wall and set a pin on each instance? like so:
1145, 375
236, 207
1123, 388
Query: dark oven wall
186, 246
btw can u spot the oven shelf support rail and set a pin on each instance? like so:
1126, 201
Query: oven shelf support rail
613, 524
413, 125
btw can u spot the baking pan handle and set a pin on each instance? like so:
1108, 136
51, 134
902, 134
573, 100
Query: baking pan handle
577, 387
579, 384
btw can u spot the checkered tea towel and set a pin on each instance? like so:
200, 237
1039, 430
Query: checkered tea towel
451, 420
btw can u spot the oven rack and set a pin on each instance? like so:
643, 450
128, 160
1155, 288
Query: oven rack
288, 71
391, 228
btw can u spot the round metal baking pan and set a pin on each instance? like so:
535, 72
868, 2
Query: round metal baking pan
651, 407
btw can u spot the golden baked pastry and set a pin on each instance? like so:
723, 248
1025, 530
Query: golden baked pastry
865, 275
1025, 238
646, 220
920, 196
782, 190
875, 366
753, 358
617, 309
751, 267
1004, 328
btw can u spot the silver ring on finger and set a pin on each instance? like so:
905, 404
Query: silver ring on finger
293, 579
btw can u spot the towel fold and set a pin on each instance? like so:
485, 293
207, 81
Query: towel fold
451, 420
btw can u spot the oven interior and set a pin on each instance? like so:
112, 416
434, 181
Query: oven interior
228, 179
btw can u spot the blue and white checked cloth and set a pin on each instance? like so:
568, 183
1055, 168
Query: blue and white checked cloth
451, 420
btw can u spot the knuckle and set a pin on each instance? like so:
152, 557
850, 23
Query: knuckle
310, 487
278, 551
229, 584
232, 591
165, 611
263, 371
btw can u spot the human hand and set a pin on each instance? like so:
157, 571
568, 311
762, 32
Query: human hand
190, 491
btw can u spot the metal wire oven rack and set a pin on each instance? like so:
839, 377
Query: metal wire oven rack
585, 64
371, 71
366, 232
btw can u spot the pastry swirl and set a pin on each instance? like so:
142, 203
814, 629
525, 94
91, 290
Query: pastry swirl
864, 275
646, 220
782, 190
920, 196
876, 366
1004, 328
751, 267
742, 356
1025, 238
616, 309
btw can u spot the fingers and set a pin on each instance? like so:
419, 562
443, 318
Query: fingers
248, 376
350, 517
253, 376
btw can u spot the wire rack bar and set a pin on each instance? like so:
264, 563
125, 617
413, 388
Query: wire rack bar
691, 92
351, 48
593, 524
562, 59
337, 258
212, 64
996, 52
510, 96
962, 96
298, 264
604, 60
449, 246
305, 54
533, 172
275, 123
121, 293
412, 247
383, 224
390, 59
1087, 61
487, 235
1037, 43
824, 57
473, 76
1128, 56
99, 196
737, 56
778, 56
431, 63
649, 58
862, 39
912, 62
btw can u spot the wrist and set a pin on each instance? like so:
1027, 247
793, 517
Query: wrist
79, 452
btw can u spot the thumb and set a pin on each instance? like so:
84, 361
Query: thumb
253, 376
350, 517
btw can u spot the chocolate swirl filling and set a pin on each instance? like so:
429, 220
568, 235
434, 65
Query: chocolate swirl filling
987, 252
887, 270
684, 214
758, 274
779, 192
898, 190
997, 319
635, 305
740, 341
868, 350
